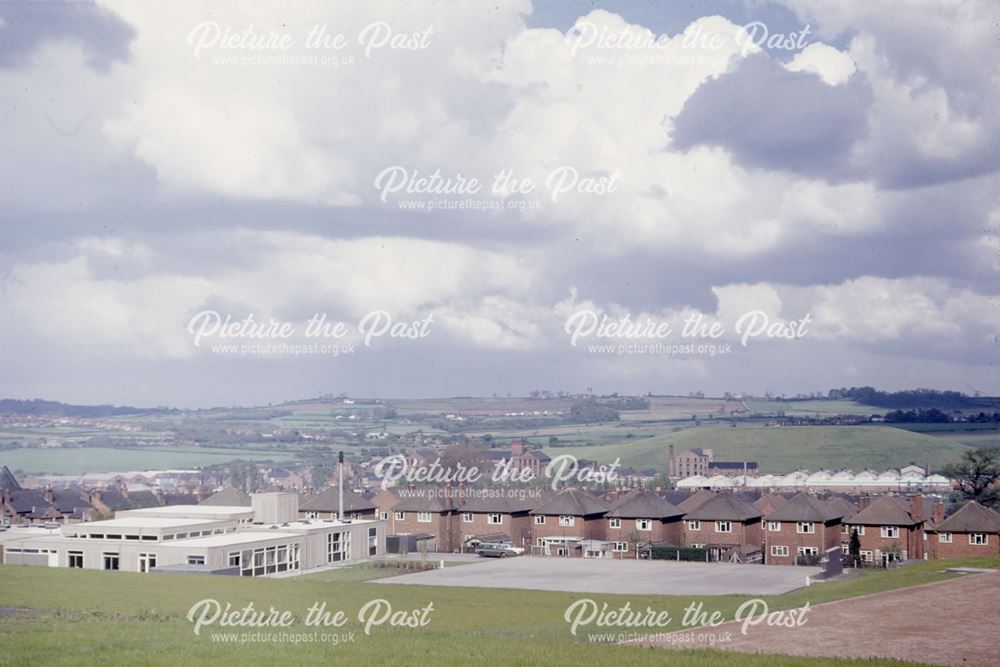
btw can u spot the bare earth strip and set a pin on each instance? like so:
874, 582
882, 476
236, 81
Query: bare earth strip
947, 623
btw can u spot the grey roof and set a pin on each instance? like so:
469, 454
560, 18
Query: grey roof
971, 518
142, 499
572, 502
769, 500
114, 500
841, 504
329, 501
432, 502
805, 507
643, 504
228, 497
501, 502
70, 499
886, 511
180, 499
732, 465
28, 500
7, 480
724, 507
696, 499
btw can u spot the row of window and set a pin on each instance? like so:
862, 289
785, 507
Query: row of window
720, 526
801, 527
975, 539
150, 538
781, 550
265, 560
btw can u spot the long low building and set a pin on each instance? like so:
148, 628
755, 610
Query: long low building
844, 481
267, 538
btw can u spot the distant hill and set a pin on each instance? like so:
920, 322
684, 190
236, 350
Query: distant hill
916, 398
37, 406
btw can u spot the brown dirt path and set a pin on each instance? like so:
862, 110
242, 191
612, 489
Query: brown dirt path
952, 622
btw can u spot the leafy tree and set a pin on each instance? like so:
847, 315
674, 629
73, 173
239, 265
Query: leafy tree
855, 548
977, 476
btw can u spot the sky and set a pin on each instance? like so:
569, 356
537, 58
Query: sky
474, 191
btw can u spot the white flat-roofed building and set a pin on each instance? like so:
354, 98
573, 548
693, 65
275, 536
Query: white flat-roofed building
202, 538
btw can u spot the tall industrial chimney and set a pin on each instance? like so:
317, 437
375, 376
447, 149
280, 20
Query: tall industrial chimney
340, 484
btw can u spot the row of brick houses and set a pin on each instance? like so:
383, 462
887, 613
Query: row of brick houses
773, 528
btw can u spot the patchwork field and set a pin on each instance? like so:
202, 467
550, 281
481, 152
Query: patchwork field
63, 617
786, 448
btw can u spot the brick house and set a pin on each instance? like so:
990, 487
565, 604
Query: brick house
847, 510
974, 530
891, 528
801, 531
769, 502
689, 463
431, 514
730, 528
642, 518
495, 515
326, 505
534, 460
562, 523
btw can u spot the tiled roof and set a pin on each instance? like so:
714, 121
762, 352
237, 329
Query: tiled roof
886, 511
643, 504
724, 507
572, 502
7, 480
696, 499
804, 507
844, 506
329, 501
971, 518
228, 497
501, 501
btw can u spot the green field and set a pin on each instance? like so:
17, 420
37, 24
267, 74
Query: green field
821, 407
785, 448
80, 460
64, 617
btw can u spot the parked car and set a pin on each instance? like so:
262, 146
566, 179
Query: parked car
498, 550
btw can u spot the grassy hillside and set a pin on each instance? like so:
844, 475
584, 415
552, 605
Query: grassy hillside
72, 617
106, 459
786, 448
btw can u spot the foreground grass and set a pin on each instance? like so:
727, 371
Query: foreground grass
123, 618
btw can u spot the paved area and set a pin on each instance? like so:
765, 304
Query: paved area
630, 577
945, 623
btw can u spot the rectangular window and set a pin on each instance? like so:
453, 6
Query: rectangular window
338, 546
644, 524
945, 538
399, 516
539, 519
494, 519
76, 559
805, 527
423, 517
890, 531
111, 561
621, 547
845, 529
615, 523
384, 516
694, 525
195, 560
808, 551
723, 526
779, 550
866, 556
372, 542
566, 520
860, 529
773, 526
978, 539
466, 517
234, 559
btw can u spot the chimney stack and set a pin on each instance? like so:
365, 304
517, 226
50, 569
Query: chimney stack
340, 485
917, 507
49, 495
937, 513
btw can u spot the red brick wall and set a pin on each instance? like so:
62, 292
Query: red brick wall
517, 526
749, 533
588, 528
825, 537
910, 540
441, 526
670, 532
960, 547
